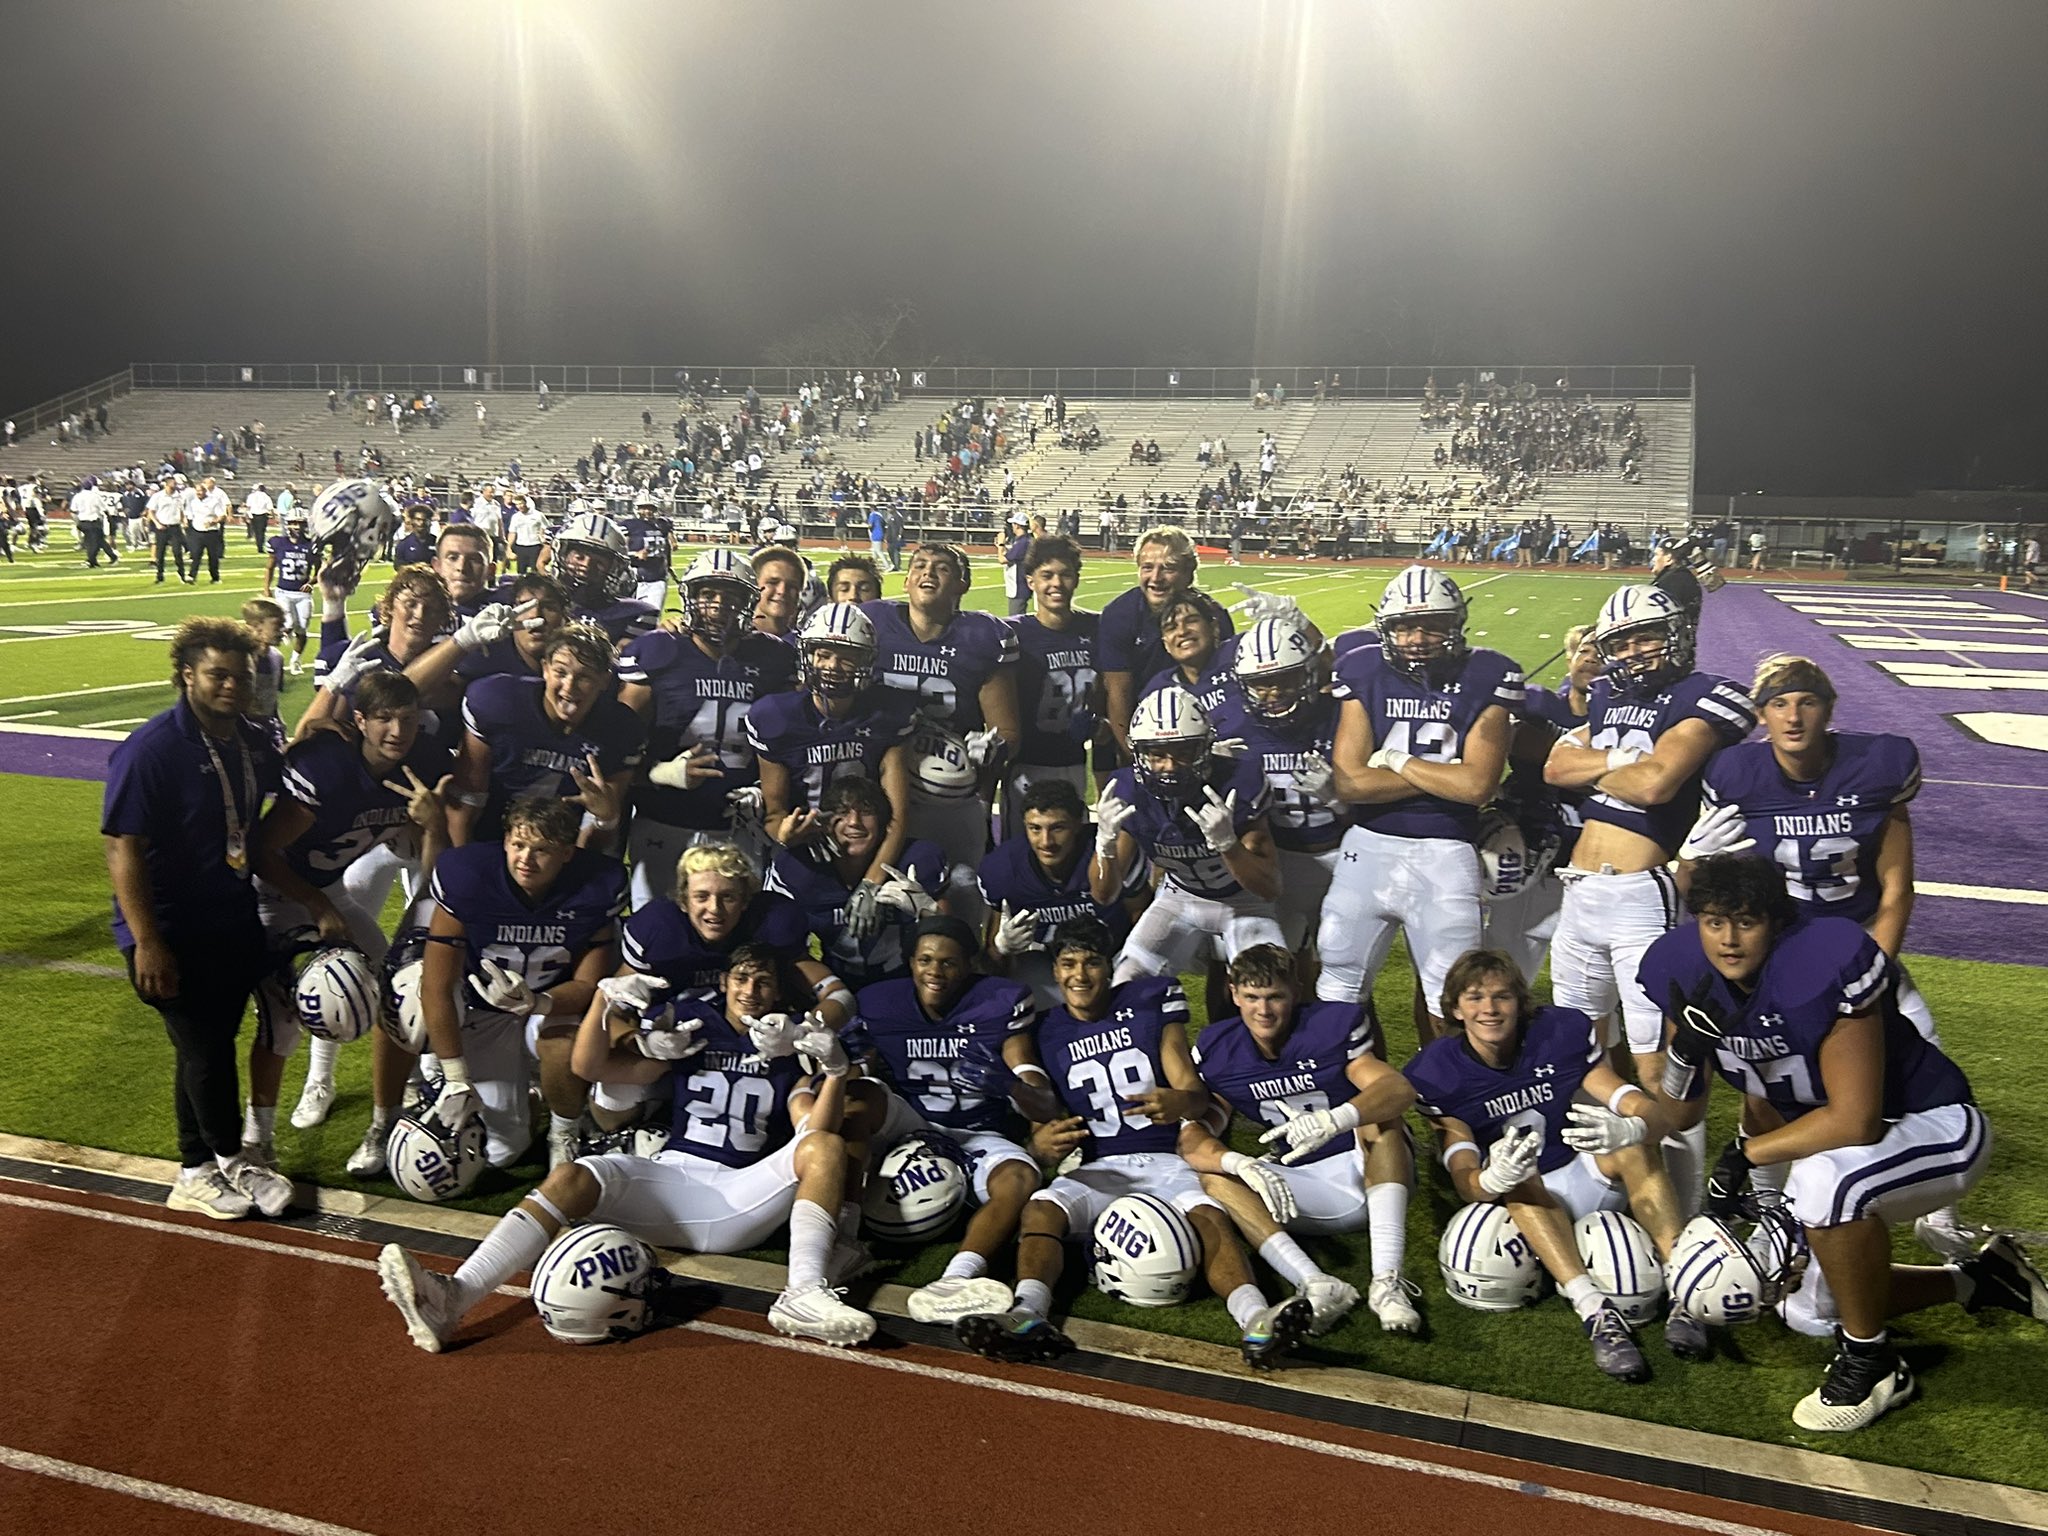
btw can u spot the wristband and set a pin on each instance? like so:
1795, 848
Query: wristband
1345, 1117
1031, 1073
592, 824
456, 1071
1621, 757
1233, 1161
1396, 759
1614, 1098
1459, 1146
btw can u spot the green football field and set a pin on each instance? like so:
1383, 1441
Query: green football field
82, 1061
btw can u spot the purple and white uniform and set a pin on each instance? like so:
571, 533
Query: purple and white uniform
531, 754
946, 673
786, 728
1056, 690
659, 940
818, 890
1306, 831
1011, 876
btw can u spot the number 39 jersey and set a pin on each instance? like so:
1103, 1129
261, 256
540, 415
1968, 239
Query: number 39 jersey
702, 700
1616, 719
541, 941
919, 1051
1056, 675
1558, 1046
1824, 835
1096, 1065
945, 673
352, 810
731, 1107
1306, 1073
1429, 721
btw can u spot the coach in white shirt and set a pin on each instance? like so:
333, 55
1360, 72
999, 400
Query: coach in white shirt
89, 520
166, 513
528, 531
205, 529
256, 515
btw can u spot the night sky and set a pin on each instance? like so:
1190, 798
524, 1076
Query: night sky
1834, 208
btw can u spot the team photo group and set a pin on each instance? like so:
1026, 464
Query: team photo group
788, 915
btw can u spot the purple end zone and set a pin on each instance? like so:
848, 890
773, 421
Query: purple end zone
1975, 821
54, 757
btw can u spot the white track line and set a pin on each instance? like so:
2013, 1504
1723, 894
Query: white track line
164, 1493
125, 597
65, 967
80, 693
1337, 1451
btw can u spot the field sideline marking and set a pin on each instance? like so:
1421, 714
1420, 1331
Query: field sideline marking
166, 1493
1379, 1459
79, 693
65, 967
2012, 893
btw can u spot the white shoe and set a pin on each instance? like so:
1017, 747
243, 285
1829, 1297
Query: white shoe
315, 1099
561, 1147
1330, 1299
265, 1188
293, 669
816, 1312
425, 1299
1388, 1295
1858, 1390
369, 1160
947, 1301
264, 1152
1941, 1232
209, 1194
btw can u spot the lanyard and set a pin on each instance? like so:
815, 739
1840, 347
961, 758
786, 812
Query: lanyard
237, 828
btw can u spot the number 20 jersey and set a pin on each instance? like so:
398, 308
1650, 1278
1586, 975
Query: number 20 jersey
1307, 1073
1430, 721
1097, 1064
731, 1107
542, 941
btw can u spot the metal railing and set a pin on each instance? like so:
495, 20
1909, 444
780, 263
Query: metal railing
48, 413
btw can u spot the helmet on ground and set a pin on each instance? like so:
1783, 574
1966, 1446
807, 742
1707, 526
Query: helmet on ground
591, 560
1486, 1263
1145, 1252
839, 630
1168, 724
1721, 1274
595, 1284
338, 993
1623, 1262
1630, 614
939, 763
430, 1162
710, 572
1426, 596
399, 999
1275, 670
917, 1191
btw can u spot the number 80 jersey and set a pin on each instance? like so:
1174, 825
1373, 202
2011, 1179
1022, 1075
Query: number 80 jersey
1306, 1073
1429, 721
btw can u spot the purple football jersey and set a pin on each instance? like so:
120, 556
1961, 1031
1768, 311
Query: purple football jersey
1097, 1064
1306, 1073
817, 889
947, 673
1011, 876
352, 810
531, 755
1056, 675
1215, 690
500, 658
540, 941
702, 700
1824, 835
1428, 720
1559, 1046
294, 559
1615, 719
919, 1051
1128, 638
659, 940
1167, 835
621, 620
786, 728
1300, 823
1818, 970
731, 1107
651, 546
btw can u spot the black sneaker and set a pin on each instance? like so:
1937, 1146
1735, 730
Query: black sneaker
1274, 1330
1614, 1347
1016, 1336
1861, 1385
1685, 1335
2002, 1275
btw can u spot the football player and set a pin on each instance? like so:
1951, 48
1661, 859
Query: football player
561, 734
1129, 649
1199, 658
1500, 1089
1651, 724
783, 577
651, 545
1059, 695
1422, 738
1877, 1126
1033, 883
1201, 820
853, 579
588, 555
694, 691
411, 615
956, 1046
536, 607
754, 1148
289, 579
1119, 1055
1289, 728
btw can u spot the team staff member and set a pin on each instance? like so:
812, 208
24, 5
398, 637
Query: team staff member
206, 518
183, 794
1129, 649
166, 509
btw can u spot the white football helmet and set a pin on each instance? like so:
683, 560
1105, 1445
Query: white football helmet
1486, 1263
1275, 670
917, 1191
1422, 594
337, 993
844, 631
1145, 1252
940, 764
1623, 1262
353, 518
1170, 723
719, 567
1507, 864
1722, 1277
591, 560
1635, 610
430, 1163
399, 1003
595, 1284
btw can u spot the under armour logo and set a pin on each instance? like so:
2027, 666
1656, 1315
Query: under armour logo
1452, 688
1847, 801
949, 650
1772, 1021
1548, 1069
1125, 1015
1350, 857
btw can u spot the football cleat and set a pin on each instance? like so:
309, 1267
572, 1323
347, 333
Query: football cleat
816, 1312
369, 1160
265, 1188
848, 1260
947, 1301
315, 1100
2003, 1276
425, 1299
1614, 1347
1016, 1336
209, 1194
1685, 1335
1274, 1330
1388, 1296
1330, 1299
1859, 1388
1940, 1232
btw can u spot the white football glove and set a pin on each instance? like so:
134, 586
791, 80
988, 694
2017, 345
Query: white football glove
670, 1041
1596, 1128
1016, 933
1719, 830
1316, 778
1306, 1132
675, 772
1512, 1159
821, 1048
1393, 759
632, 993
490, 623
1230, 747
457, 1101
1217, 820
903, 895
863, 911
1110, 816
355, 662
1263, 1180
773, 1034
982, 745
1256, 605
504, 988
747, 808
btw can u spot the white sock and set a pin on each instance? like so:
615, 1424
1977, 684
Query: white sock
195, 1171
810, 1238
1386, 1212
965, 1266
561, 1124
224, 1162
381, 1116
1583, 1294
260, 1123
512, 1245
1685, 1158
1244, 1304
1287, 1259
320, 1061
849, 1222
1034, 1296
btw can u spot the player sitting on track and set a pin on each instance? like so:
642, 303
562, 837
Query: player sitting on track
1500, 1090
1059, 697
1875, 1124
1128, 648
1313, 1075
753, 1148
1121, 1054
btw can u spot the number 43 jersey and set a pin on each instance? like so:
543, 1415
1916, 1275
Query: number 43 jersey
1306, 1073
540, 940
1824, 835
1098, 1064
1430, 721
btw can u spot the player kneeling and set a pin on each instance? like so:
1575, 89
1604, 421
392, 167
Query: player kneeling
1501, 1095
1120, 1056
754, 1145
